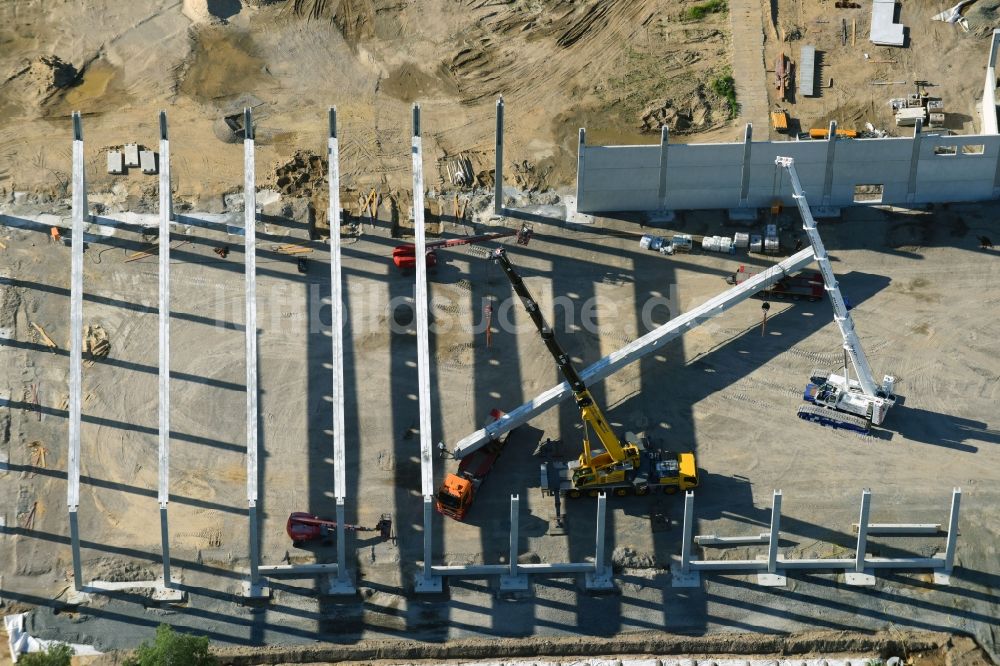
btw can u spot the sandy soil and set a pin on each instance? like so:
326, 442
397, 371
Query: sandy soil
560, 65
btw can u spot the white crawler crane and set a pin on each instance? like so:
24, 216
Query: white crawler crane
839, 401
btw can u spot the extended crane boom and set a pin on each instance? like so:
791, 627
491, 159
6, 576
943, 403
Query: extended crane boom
623, 468
861, 397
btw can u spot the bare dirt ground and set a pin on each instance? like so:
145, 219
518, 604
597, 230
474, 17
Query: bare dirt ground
925, 296
949, 60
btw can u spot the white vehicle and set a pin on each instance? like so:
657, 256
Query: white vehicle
836, 400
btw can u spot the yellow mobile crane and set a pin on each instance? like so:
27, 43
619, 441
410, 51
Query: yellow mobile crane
622, 468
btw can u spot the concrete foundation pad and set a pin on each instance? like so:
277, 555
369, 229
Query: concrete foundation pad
427, 584
169, 595
78, 598
599, 581
859, 579
255, 592
742, 214
518, 583
942, 578
335, 587
555, 528
572, 215
680, 579
776, 579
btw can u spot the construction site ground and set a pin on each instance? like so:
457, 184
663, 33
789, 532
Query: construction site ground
925, 299
924, 296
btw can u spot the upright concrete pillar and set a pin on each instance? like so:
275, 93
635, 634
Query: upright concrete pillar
426, 581
513, 580
664, 146
601, 578
911, 185
498, 171
774, 577
80, 213
745, 181
862, 576
343, 583
163, 493
831, 149
254, 587
581, 149
944, 576
683, 575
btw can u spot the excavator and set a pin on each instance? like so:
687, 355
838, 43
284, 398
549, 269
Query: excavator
622, 468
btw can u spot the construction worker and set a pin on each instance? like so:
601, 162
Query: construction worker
54, 235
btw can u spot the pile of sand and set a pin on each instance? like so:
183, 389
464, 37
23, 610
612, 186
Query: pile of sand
690, 114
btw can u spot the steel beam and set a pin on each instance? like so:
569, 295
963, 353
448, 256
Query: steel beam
773, 577
911, 184
498, 170
163, 492
861, 575
343, 583
295, 570
80, 213
254, 589
632, 352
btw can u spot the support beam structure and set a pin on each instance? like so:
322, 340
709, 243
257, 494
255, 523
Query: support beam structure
635, 350
831, 151
166, 209
253, 587
80, 213
426, 581
498, 170
858, 570
661, 189
343, 583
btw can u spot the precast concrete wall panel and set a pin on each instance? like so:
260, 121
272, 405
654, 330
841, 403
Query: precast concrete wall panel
710, 176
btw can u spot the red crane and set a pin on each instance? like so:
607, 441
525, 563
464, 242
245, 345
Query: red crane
302, 527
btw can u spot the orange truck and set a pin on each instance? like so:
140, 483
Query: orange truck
454, 497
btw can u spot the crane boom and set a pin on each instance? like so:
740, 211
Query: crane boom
834, 400
589, 409
841, 315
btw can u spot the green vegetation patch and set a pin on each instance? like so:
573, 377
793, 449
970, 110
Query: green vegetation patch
701, 10
724, 86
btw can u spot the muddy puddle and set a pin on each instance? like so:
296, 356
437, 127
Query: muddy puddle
223, 64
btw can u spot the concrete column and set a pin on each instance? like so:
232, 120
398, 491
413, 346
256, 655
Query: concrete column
775, 535
949, 550
831, 149
688, 527
773, 577
426, 581
343, 584
861, 575
163, 492
601, 578
581, 149
911, 186
80, 213
498, 172
747, 147
250, 257
513, 580
664, 146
